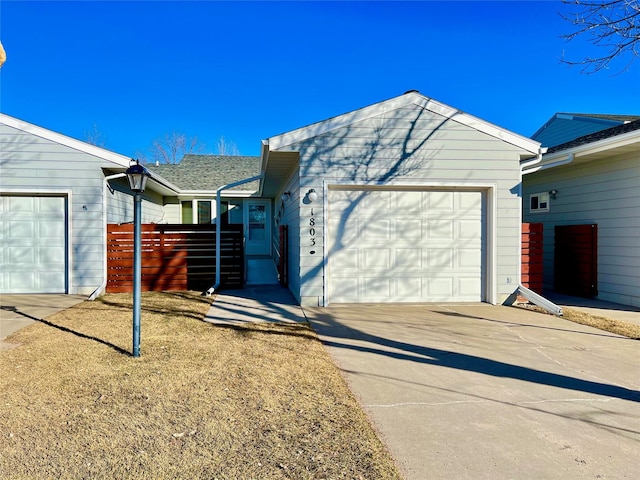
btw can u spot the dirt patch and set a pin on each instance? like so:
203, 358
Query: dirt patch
202, 400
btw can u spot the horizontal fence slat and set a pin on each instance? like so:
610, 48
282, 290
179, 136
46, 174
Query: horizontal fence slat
174, 257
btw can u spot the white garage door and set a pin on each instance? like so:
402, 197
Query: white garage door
33, 244
406, 246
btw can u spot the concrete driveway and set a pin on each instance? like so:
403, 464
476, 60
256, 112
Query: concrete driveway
19, 311
490, 392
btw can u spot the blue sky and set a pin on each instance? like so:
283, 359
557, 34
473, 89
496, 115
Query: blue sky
250, 70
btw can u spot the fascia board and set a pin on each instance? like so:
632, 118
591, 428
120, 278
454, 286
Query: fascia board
61, 139
212, 193
623, 140
415, 98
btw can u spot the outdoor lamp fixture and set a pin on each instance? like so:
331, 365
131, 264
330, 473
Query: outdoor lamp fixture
137, 176
553, 193
286, 196
312, 195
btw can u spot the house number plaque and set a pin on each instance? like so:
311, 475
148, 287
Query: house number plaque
312, 231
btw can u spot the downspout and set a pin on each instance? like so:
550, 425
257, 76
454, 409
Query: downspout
215, 286
530, 295
105, 187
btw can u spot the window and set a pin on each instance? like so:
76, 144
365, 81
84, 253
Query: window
204, 212
187, 212
539, 202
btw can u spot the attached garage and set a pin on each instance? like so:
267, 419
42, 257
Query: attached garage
33, 251
387, 245
406, 200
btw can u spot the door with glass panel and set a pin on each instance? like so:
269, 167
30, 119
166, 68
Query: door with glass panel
257, 223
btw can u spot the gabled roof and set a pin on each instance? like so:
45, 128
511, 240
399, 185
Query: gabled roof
206, 173
411, 97
120, 160
565, 127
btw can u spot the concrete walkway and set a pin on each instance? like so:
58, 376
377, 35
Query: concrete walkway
20, 311
259, 303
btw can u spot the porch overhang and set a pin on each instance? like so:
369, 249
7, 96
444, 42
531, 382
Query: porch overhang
277, 167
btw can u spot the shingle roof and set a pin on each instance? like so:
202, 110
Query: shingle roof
209, 172
605, 116
594, 137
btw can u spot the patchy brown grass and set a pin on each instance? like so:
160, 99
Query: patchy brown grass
619, 327
202, 401
611, 325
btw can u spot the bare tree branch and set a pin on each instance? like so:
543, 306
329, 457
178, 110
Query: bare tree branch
610, 25
171, 148
227, 147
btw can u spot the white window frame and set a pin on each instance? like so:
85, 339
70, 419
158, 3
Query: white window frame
543, 199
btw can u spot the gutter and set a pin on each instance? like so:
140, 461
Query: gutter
565, 161
216, 285
105, 187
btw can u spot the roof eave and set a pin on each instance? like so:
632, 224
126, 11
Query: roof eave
61, 139
596, 146
280, 141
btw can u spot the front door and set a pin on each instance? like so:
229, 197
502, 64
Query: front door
257, 224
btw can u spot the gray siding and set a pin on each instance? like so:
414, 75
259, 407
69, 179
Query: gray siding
31, 164
288, 213
410, 145
606, 192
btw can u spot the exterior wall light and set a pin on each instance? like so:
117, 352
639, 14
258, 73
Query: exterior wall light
312, 195
286, 196
553, 193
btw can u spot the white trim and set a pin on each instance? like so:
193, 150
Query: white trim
489, 190
212, 193
108, 155
319, 128
67, 194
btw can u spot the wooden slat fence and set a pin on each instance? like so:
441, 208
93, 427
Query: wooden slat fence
576, 260
532, 256
174, 257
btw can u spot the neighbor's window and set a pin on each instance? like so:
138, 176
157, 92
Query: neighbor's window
539, 202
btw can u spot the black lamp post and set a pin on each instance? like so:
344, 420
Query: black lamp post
137, 176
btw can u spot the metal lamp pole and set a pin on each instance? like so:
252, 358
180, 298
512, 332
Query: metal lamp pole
137, 176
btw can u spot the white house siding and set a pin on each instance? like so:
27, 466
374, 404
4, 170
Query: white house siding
288, 213
606, 192
31, 164
412, 146
120, 205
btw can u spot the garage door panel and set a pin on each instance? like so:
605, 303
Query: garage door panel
408, 258
440, 201
34, 244
433, 255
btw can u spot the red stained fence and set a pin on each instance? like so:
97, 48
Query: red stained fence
576, 260
532, 260
174, 257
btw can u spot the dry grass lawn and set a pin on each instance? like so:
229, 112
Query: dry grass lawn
619, 327
202, 401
